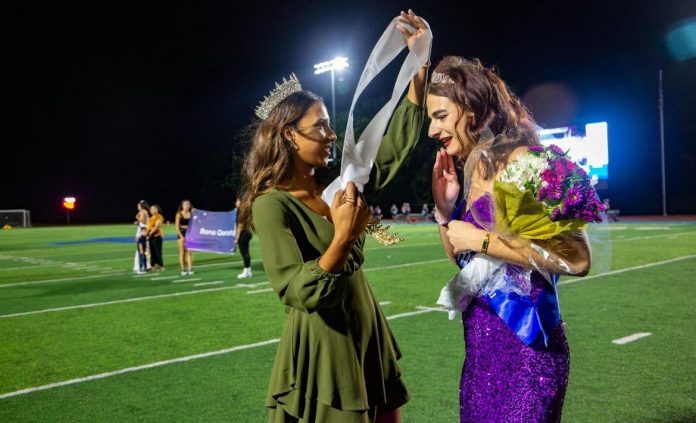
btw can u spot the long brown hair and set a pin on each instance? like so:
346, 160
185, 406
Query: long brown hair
267, 162
479, 90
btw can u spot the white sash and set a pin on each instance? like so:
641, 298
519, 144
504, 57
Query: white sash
358, 157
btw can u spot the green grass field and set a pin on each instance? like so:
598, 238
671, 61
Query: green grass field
83, 339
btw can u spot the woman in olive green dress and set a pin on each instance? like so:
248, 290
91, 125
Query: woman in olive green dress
337, 358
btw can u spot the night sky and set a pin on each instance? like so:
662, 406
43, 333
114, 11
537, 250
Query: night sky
115, 102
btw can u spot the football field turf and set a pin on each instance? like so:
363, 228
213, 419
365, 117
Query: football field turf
84, 339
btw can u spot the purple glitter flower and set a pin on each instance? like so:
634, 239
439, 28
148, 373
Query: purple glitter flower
535, 148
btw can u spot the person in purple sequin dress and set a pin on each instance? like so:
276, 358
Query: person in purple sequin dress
482, 126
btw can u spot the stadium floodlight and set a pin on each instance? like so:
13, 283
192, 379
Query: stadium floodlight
332, 66
336, 64
69, 205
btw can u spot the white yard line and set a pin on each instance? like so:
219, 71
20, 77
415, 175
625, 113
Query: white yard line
410, 313
638, 238
384, 303
130, 300
137, 368
259, 291
208, 283
627, 269
163, 278
77, 278
630, 338
186, 280
250, 285
127, 300
432, 309
173, 361
124, 249
126, 262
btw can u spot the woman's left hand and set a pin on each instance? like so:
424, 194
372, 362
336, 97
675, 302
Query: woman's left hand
464, 236
416, 22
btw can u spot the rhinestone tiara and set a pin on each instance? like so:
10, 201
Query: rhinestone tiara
278, 94
441, 78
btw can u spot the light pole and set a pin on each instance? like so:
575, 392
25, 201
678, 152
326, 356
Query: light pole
332, 66
68, 205
661, 106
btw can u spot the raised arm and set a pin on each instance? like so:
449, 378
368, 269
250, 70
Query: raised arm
405, 126
416, 90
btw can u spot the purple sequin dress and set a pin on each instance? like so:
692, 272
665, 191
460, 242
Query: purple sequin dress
503, 379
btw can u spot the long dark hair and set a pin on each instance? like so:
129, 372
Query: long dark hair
144, 205
479, 90
267, 162
181, 206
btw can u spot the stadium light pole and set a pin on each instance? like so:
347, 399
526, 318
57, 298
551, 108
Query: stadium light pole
337, 64
661, 106
68, 205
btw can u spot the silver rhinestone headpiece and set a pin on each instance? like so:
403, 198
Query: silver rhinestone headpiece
278, 94
441, 78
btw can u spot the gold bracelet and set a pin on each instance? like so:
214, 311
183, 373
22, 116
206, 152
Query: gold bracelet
486, 241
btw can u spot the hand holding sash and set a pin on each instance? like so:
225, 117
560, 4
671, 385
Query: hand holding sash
359, 156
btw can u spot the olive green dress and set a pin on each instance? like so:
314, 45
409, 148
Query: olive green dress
337, 358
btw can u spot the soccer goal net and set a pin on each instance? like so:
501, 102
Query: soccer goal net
15, 218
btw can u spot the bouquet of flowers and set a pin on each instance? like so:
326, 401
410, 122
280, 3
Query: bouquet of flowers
540, 195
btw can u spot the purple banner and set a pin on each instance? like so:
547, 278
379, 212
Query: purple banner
213, 232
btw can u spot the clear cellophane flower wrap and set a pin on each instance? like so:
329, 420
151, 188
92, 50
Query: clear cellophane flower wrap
540, 205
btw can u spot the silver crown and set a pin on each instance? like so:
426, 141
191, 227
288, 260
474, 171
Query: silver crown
441, 78
278, 94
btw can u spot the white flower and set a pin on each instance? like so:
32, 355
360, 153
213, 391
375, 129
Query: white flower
525, 169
